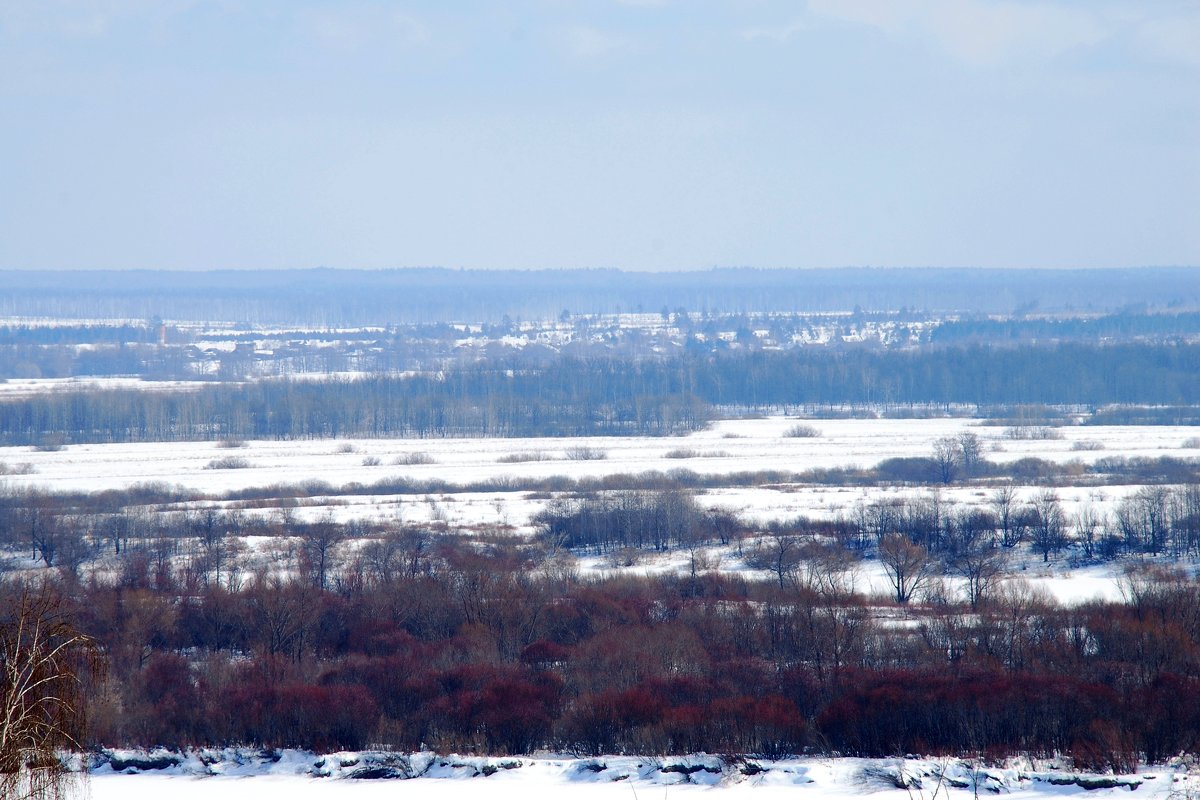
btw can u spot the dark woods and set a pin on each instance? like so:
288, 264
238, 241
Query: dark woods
402, 637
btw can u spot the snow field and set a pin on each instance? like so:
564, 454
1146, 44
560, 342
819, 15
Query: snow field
453, 777
724, 448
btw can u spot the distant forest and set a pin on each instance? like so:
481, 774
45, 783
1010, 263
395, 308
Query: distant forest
359, 297
155, 350
574, 397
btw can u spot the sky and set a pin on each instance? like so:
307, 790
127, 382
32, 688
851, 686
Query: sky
637, 134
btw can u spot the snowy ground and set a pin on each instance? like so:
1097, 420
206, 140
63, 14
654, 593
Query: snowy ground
726, 447
625, 777
13, 388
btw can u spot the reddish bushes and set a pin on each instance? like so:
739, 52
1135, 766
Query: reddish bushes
514, 663
684, 717
320, 718
882, 713
498, 710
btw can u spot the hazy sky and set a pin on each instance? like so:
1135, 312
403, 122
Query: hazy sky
643, 134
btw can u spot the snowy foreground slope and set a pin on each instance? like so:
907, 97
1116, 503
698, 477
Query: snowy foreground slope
238, 775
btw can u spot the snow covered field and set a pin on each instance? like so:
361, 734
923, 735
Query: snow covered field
13, 388
449, 778
725, 448
728, 446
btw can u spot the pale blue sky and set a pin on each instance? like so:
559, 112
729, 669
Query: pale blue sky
642, 134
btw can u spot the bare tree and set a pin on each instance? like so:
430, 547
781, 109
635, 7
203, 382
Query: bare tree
964, 526
38, 515
1049, 525
877, 519
982, 566
1144, 520
909, 566
1004, 506
1185, 519
43, 659
318, 543
945, 458
1087, 523
211, 533
402, 553
73, 549
834, 633
1013, 634
970, 453
827, 570
779, 551
281, 613
381, 558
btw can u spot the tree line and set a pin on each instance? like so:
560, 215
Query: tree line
603, 396
171, 528
603, 400
496, 650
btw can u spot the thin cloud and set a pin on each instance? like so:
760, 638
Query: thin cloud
93, 20
351, 29
978, 32
1176, 39
585, 42
781, 34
